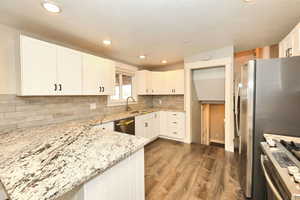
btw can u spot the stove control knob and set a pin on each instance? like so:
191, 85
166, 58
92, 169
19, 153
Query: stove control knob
271, 142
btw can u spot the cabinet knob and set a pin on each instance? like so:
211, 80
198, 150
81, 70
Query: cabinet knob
103, 89
55, 87
174, 122
60, 87
175, 133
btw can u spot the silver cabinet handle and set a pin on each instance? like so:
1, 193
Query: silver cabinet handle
55, 87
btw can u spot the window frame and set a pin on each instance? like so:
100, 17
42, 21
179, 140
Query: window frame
120, 102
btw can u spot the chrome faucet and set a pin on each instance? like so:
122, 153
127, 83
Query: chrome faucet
127, 106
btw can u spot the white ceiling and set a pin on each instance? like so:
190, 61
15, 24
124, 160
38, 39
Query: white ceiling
161, 29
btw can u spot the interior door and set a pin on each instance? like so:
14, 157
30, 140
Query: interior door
69, 71
38, 67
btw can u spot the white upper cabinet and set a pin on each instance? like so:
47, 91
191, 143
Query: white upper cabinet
69, 71
160, 83
49, 69
108, 78
175, 82
38, 67
290, 45
144, 82
98, 75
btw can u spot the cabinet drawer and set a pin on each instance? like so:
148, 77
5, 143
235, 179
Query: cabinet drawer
175, 115
176, 134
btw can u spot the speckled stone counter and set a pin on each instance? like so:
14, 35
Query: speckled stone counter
123, 115
46, 162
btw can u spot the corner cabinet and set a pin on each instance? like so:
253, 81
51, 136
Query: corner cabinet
147, 125
49, 69
160, 83
290, 45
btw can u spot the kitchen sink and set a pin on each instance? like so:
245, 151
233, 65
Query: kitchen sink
139, 112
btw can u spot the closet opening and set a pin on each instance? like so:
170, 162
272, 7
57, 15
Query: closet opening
209, 105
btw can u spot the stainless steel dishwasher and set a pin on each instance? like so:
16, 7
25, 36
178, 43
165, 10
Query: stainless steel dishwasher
125, 126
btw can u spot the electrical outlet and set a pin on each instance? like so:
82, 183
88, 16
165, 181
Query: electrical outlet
93, 106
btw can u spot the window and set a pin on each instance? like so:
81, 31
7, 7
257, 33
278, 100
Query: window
123, 88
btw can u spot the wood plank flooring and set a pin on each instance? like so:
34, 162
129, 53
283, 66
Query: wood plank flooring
177, 171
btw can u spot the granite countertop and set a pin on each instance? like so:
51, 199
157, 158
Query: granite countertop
44, 163
133, 113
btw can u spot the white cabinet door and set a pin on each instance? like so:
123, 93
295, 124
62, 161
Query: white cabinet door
144, 82
157, 83
69, 71
123, 181
156, 124
149, 127
107, 78
179, 82
175, 82
140, 126
163, 123
38, 67
91, 73
296, 36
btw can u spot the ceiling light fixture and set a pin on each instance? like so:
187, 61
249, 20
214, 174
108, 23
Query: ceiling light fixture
164, 62
248, 1
51, 6
106, 42
142, 57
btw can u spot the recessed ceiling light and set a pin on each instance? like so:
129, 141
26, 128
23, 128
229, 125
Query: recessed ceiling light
142, 57
164, 62
51, 6
248, 1
106, 42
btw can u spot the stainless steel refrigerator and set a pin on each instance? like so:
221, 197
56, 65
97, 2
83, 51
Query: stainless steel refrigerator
269, 101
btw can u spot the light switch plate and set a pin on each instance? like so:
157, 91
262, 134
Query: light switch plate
93, 106
160, 101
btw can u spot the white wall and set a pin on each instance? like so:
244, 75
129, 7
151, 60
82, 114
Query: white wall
224, 52
210, 84
8, 52
175, 66
219, 57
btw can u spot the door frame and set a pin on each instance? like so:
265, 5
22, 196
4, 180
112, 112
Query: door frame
229, 82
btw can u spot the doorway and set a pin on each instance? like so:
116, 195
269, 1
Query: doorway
212, 123
193, 105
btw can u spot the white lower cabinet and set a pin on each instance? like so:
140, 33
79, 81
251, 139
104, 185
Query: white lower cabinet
172, 125
106, 126
123, 181
147, 125
166, 124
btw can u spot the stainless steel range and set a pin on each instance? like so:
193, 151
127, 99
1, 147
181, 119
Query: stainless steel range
280, 163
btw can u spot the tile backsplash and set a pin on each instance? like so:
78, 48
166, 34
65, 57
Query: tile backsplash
22, 112
169, 102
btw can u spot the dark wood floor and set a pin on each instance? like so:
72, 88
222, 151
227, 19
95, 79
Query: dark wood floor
177, 171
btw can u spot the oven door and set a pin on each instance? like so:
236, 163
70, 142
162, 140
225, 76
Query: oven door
274, 189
